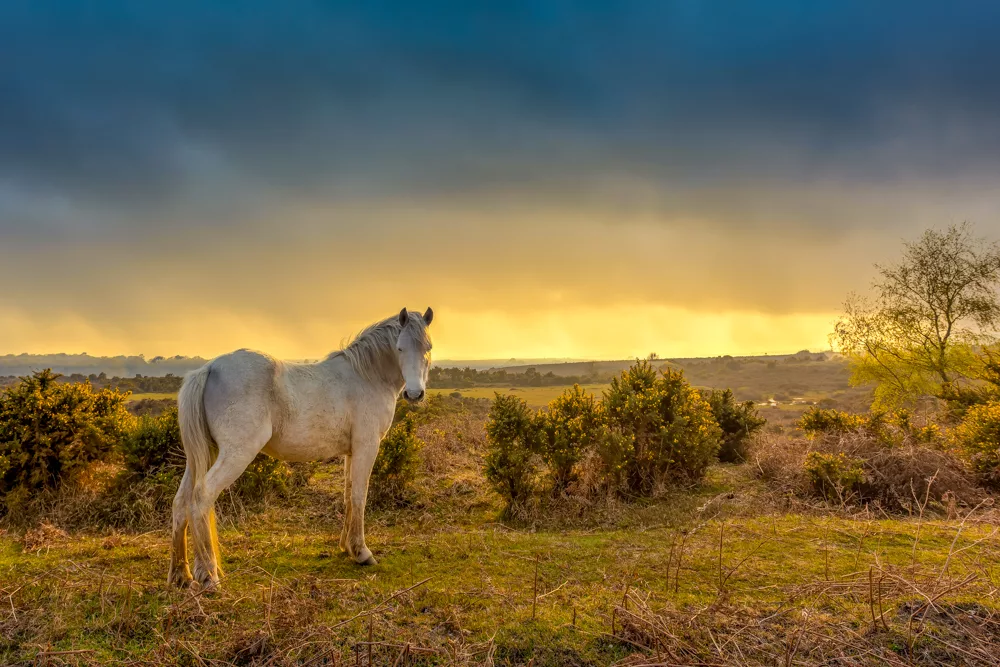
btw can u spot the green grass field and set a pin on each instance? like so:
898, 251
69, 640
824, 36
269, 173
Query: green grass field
155, 396
727, 572
722, 575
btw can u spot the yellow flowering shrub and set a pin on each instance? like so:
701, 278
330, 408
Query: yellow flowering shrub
835, 476
566, 430
665, 429
977, 438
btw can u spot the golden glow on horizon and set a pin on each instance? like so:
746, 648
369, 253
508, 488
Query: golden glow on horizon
612, 332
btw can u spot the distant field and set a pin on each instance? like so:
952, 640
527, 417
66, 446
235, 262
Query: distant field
156, 396
790, 381
536, 397
784, 415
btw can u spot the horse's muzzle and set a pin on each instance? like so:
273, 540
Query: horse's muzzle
414, 397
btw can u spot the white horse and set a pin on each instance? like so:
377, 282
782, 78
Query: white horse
245, 402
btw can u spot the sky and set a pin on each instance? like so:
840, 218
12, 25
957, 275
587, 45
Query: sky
586, 179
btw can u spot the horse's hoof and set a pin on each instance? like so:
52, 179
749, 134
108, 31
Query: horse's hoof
366, 558
181, 581
207, 582
210, 586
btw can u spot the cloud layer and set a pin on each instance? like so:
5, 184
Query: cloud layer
292, 171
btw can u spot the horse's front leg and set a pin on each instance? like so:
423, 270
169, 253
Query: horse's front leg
364, 451
344, 546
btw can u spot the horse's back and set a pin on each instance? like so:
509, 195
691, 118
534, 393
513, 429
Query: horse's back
240, 389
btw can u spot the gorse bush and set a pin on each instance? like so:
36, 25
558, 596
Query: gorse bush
153, 460
978, 440
649, 430
816, 421
49, 431
265, 477
509, 463
834, 476
396, 464
890, 428
566, 430
858, 468
669, 432
739, 423
153, 444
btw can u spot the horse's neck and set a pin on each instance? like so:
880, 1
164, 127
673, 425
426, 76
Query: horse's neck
390, 375
386, 372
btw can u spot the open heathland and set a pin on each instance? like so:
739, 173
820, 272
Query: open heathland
733, 570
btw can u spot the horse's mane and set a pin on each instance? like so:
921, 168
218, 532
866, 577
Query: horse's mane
369, 351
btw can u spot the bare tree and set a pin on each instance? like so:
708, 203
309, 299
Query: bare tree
921, 330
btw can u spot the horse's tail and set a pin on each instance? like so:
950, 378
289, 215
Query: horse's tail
195, 435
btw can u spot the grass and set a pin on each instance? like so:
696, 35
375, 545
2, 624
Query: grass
458, 587
153, 395
727, 572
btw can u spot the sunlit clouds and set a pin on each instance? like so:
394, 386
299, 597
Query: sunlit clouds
592, 180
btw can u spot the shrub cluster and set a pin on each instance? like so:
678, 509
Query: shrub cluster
568, 429
663, 431
153, 444
858, 469
977, 437
890, 428
818, 421
649, 430
834, 476
396, 464
50, 432
512, 441
887, 459
739, 423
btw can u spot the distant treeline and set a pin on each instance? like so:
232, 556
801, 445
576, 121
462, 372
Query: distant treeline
139, 384
85, 364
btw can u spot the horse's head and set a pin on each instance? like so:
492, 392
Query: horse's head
414, 350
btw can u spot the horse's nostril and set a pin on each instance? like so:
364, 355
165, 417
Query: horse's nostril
420, 396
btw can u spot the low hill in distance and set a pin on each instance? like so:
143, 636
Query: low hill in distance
803, 377
570, 368
85, 364
783, 385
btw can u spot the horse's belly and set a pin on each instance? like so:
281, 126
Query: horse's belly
310, 442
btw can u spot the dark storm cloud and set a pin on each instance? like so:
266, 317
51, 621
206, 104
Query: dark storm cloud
184, 108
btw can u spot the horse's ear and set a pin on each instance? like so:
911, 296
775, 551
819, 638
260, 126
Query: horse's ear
404, 317
428, 316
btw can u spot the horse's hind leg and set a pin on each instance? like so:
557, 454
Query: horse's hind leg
180, 573
230, 464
